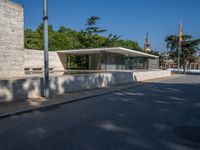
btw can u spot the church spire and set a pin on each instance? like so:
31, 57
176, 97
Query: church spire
147, 45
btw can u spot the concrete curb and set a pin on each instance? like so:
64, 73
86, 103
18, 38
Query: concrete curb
108, 91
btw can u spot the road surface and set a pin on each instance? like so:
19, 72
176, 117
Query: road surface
157, 116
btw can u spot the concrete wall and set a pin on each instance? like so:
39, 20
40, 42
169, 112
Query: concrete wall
148, 75
12, 90
11, 39
63, 60
35, 59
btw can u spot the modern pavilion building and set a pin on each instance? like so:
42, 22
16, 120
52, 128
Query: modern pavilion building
101, 59
117, 58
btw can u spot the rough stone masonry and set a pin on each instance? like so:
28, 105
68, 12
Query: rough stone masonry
11, 39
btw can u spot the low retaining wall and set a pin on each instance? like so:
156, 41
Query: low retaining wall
148, 75
12, 90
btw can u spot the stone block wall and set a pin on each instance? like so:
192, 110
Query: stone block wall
11, 39
34, 59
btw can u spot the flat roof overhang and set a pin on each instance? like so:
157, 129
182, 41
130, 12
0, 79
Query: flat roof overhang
117, 50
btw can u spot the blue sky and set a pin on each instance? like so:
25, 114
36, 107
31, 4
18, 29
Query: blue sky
129, 18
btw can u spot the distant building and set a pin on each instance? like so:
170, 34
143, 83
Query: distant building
197, 55
168, 63
147, 45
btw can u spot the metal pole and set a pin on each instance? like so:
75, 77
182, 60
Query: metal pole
46, 54
179, 49
180, 44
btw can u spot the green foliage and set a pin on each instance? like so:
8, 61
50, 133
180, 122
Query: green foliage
79, 62
33, 40
189, 48
91, 26
65, 38
60, 41
127, 44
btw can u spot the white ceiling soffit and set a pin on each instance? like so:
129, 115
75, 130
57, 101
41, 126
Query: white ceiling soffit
118, 50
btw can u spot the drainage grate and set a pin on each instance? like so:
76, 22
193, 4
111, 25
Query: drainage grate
191, 134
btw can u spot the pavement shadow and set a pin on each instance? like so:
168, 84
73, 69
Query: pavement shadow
149, 117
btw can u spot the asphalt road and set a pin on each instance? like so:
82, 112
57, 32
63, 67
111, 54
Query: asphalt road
158, 116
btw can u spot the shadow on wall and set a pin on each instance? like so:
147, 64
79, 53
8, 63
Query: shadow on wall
31, 88
11, 90
73, 83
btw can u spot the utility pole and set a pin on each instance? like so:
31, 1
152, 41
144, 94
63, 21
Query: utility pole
46, 49
180, 44
179, 50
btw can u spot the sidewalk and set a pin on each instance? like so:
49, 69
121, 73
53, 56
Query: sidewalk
20, 107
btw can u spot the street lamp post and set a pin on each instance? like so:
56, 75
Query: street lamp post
46, 54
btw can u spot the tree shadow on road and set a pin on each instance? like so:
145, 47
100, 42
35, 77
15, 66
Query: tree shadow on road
148, 117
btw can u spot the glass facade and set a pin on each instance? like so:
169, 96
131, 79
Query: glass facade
136, 63
111, 61
153, 63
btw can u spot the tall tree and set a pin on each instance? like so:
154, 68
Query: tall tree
91, 26
189, 48
89, 37
32, 40
66, 38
